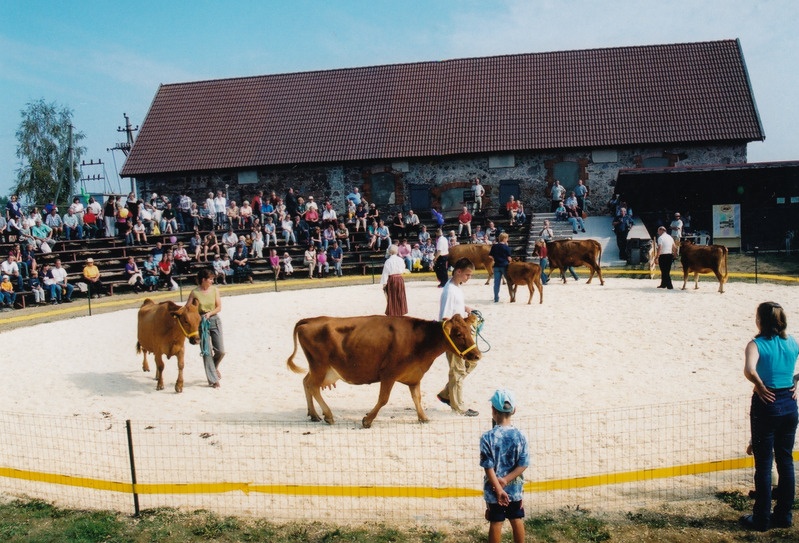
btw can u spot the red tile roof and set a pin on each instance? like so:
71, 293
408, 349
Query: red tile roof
661, 94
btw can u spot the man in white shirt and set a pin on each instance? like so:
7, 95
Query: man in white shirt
59, 275
453, 302
10, 268
665, 253
676, 229
441, 256
479, 192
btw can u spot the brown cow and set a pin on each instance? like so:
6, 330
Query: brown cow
364, 350
477, 253
703, 259
163, 329
575, 252
525, 273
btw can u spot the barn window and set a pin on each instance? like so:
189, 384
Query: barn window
383, 189
568, 173
655, 162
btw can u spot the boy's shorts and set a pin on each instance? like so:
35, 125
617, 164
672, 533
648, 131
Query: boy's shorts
498, 513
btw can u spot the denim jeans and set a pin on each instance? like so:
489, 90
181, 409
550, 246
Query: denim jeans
499, 273
773, 432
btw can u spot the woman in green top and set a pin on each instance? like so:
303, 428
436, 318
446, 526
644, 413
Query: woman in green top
213, 348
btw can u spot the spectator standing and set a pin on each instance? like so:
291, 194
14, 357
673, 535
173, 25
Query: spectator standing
770, 364
453, 302
393, 284
676, 228
504, 455
109, 216
220, 207
580, 192
479, 192
557, 194
621, 227
540, 251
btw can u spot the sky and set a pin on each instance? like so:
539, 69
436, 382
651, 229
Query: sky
102, 59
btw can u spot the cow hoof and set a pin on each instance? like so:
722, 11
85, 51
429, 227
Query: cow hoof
424, 421
315, 418
145, 368
366, 422
159, 387
330, 420
178, 389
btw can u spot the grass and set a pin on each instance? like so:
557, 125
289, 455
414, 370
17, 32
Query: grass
35, 521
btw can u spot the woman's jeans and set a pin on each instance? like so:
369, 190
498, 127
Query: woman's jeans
500, 272
773, 432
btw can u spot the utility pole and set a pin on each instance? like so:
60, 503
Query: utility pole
127, 145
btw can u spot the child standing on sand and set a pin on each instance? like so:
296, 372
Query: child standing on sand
504, 455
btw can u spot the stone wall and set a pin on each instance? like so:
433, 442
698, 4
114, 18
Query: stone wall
533, 172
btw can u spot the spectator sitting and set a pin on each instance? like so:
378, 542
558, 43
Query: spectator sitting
465, 222
62, 287
398, 226
37, 288
521, 216
41, 234
322, 264
165, 270
9, 297
479, 236
329, 217
150, 273
221, 269
546, 233
316, 238
360, 218
147, 216
288, 269
492, 233
10, 267
424, 235
140, 232
312, 217
233, 216
452, 239
210, 244
229, 241
560, 212
512, 208
343, 236
169, 223
383, 235
404, 252
287, 227
310, 259
416, 258
245, 215
373, 214
157, 252
182, 260
336, 257
135, 277
54, 221
274, 263
428, 255
328, 236
270, 232
257, 237
196, 245
575, 219
91, 274
239, 263
411, 222
90, 228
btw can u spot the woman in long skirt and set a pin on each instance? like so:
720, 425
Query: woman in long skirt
394, 285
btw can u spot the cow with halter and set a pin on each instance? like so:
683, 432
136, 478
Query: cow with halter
162, 330
365, 350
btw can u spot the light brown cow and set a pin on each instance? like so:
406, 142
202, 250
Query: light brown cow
477, 253
698, 259
163, 329
525, 273
364, 350
575, 252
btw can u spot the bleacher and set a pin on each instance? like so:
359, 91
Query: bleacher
111, 254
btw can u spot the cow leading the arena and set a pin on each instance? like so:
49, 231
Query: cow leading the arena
477, 253
698, 259
575, 252
365, 350
163, 330
525, 273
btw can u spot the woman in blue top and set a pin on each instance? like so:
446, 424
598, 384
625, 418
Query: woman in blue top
770, 364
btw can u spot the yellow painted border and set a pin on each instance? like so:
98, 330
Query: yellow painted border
378, 491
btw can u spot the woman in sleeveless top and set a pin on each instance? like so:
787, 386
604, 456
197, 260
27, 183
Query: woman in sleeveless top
210, 304
770, 363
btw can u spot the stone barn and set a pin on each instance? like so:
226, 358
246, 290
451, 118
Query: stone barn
416, 135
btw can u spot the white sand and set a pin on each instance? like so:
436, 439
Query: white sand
587, 346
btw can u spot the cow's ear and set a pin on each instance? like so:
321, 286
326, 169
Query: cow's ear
471, 320
195, 302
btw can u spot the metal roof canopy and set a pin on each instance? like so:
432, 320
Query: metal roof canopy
768, 193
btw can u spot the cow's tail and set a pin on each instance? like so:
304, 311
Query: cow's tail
290, 362
724, 250
138, 348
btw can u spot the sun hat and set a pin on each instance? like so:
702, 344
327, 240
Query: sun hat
90, 260
503, 401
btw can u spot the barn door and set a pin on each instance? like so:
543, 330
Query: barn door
420, 198
507, 189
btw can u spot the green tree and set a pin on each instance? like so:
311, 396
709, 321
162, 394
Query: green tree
43, 149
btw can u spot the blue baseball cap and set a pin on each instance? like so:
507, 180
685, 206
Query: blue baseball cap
503, 401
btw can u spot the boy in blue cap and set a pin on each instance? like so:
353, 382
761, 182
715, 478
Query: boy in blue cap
504, 455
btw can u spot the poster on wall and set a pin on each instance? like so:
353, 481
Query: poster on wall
727, 221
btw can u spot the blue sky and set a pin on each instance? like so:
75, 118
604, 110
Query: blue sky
103, 59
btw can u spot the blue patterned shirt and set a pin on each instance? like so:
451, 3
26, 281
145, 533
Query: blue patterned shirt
503, 448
